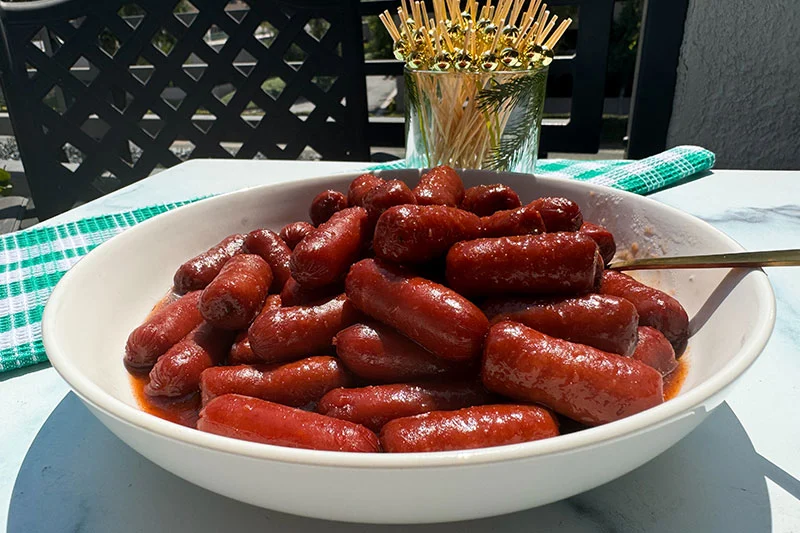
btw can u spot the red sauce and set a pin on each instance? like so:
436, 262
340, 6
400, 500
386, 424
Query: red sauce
673, 382
184, 411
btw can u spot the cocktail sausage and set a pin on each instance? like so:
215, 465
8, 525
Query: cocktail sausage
238, 292
177, 372
242, 417
199, 271
375, 406
437, 318
606, 322
440, 186
420, 233
324, 256
295, 384
162, 330
656, 308
474, 427
546, 264
578, 381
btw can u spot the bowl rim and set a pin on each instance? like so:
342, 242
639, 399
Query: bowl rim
676, 408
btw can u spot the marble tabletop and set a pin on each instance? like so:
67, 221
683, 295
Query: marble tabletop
61, 470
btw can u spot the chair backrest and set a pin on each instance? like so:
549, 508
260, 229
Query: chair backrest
111, 85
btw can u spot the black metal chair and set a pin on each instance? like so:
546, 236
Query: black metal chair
111, 85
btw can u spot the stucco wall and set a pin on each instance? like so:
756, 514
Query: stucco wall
738, 86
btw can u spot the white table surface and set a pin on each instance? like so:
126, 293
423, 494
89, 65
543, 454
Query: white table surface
62, 471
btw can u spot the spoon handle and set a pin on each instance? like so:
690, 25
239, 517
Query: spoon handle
729, 260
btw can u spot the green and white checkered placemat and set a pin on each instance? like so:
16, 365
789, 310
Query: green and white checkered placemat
32, 261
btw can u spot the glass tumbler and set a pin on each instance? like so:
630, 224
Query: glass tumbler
482, 120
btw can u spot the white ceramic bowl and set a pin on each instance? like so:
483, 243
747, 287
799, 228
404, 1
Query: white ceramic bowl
108, 293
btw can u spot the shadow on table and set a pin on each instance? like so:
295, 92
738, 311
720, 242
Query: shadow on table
77, 476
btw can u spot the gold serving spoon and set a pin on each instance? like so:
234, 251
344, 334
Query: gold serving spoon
729, 260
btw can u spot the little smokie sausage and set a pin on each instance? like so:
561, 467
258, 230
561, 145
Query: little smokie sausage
559, 214
324, 256
584, 383
242, 417
290, 333
375, 406
603, 238
295, 294
238, 293
359, 187
483, 200
474, 427
295, 232
437, 318
604, 322
241, 353
295, 384
420, 233
177, 372
199, 271
440, 186
387, 194
162, 330
325, 204
274, 251
550, 263
523, 220
654, 350
656, 308
379, 354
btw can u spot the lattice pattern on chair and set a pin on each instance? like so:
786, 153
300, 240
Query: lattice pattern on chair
114, 84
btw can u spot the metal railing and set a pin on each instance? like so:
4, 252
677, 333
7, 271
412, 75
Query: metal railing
578, 133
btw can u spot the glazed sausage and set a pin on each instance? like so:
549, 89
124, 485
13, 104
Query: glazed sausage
584, 383
654, 350
550, 263
420, 233
604, 322
387, 194
162, 330
379, 354
241, 353
559, 214
177, 372
291, 333
295, 232
295, 384
603, 238
253, 419
295, 294
274, 251
474, 427
440, 186
324, 256
656, 308
199, 271
439, 319
238, 293
325, 204
375, 406
359, 187
523, 220
483, 200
